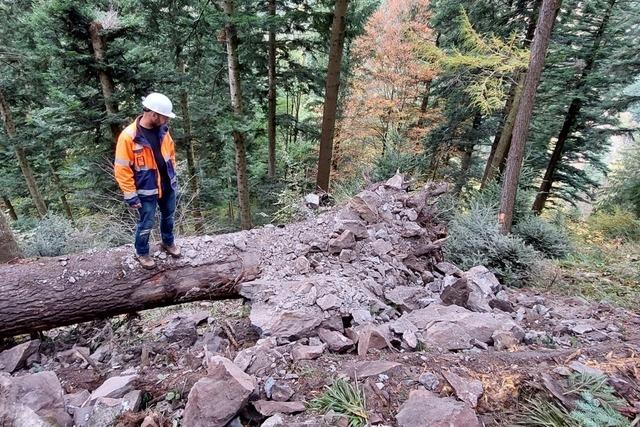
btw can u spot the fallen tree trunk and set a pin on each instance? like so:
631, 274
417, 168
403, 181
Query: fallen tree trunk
46, 293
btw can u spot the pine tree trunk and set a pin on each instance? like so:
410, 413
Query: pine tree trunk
271, 114
99, 46
45, 293
23, 162
36, 196
194, 176
424, 104
499, 153
9, 249
467, 155
236, 103
61, 190
541, 40
10, 208
570, 119
502, 141
331, 95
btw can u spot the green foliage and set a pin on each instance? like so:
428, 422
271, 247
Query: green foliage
593, 412
596, 386
543, 236
545, 413
51, 237
623, 188
345, 399
475, 239
619, 224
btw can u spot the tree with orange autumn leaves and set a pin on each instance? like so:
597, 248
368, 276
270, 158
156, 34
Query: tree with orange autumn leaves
386, 105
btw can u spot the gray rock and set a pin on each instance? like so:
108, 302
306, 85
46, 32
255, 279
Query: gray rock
268, 386
581, 328
114, 387
312, 200
132, 401
181, 329
453, 327
507, 340
468, 390
281, 392
483, 278
269, 407
347, 255
363, 369
406, 297
105, 412
346, 240
448, 269
372, 337
75, 400
295, 323
328, 302
366, 205
206, 405
382, 247
302, 265
307, 352
424, 408
16, 357
361, 316
584, 369
40, 393
335, 340
357, 227
274, 421
429, 381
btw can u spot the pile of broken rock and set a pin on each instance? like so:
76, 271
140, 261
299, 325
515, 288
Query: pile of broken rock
366, 281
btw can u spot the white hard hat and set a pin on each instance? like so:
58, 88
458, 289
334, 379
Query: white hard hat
159, 103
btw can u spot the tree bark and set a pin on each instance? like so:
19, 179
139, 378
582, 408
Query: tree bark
499, 152
9, 249
570, 119
48, 293
271, 114
21, 156
236, 103
332, 86
502, 141
99, 46
10, 208
541, 40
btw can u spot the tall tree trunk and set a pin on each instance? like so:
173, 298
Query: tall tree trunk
541, 39
99, 46
9, 249
62, 193
424, 104
194, 176
331, 95
23, 162
10, 208
499, 152
236, 103
502, 141
570, 118
271, 114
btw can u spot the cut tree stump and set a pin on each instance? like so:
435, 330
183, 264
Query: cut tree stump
46, 293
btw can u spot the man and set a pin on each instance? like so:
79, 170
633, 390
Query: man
145, 170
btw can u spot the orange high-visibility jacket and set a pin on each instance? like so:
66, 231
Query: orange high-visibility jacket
135, 167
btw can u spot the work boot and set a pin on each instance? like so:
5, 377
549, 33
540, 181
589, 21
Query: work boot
146, 262
172, 250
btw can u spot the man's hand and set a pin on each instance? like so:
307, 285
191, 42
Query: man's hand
134, 203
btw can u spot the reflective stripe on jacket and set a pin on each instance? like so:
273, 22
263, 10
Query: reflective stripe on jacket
135, 166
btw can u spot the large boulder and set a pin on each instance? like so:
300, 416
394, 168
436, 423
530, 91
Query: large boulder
426, 409
216, 399
452, 327
16, 357
41, 393
114, 387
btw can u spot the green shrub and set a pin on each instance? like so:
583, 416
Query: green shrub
50, 237
544, 237
619, 224
345, 399
475, 239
